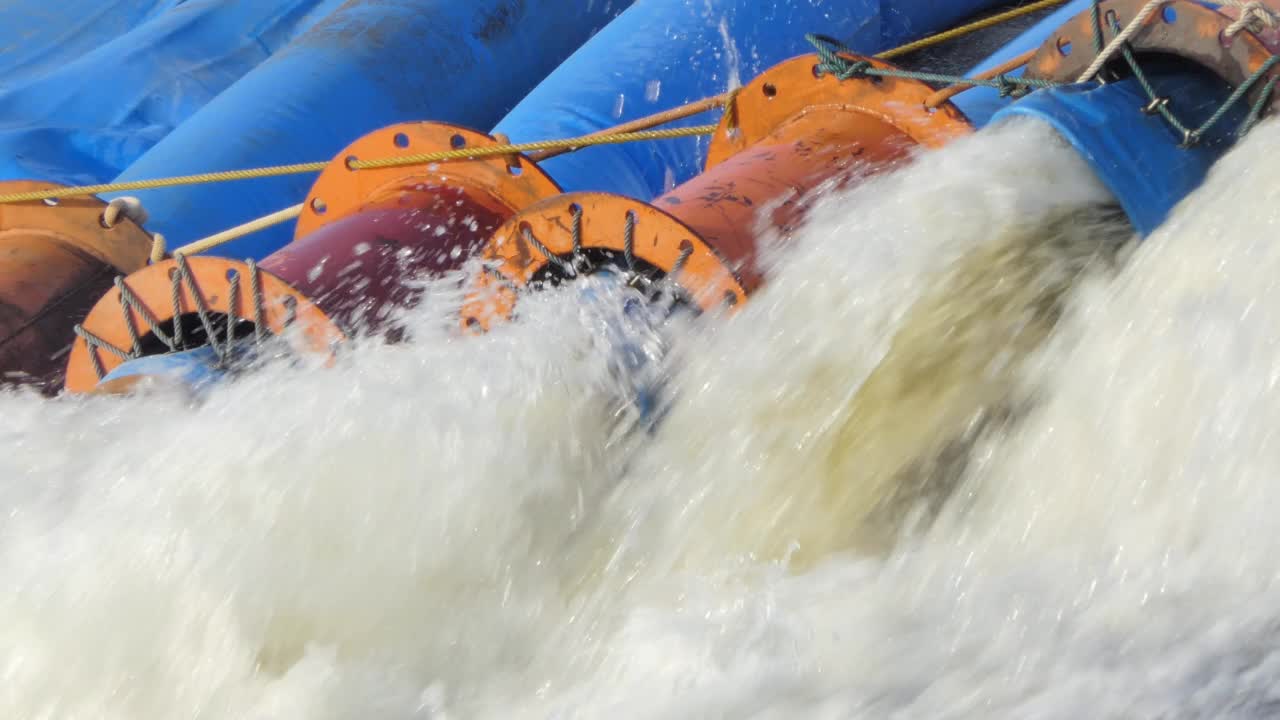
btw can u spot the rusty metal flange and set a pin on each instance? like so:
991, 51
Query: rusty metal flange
540, 240
341, 190
1180, 28
793, 132
793, 88
57, 257
207, 283
500, 183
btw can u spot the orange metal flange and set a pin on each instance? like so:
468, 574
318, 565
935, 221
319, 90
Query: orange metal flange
1179, 28
796, 87
207, 283
340, 190
363, 237
56, 259
1268, 33
795, 131
364, 231
538, 247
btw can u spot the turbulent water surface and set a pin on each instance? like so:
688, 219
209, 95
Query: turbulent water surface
971, 453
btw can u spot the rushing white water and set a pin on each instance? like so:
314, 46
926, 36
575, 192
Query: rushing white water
451, 528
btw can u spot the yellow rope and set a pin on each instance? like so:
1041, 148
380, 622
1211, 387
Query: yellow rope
201, 178
504, 149
972, 27
479, 152
419, 159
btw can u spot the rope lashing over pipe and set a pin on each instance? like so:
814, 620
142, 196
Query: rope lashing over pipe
725, 100
1157, 104
401, 161
970, 28
1253, 16
947, 93
1120, 40
629, 132
239, 231
182, 277
843, 68
1255, 13
829, 50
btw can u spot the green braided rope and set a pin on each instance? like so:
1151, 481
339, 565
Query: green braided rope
1255, 113
1095, 18
1191, 136
1241, 91
832, 63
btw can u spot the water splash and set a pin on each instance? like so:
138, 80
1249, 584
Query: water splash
445, 528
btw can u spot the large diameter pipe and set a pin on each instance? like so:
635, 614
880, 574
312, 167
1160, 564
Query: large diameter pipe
798, 130
661, 54
370, 64
56, 261
364, 241
91, 85
1194, 56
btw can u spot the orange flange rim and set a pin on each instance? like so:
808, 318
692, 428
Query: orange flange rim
78, 222
542, 239
794, 87
341, 190
664, 245
124, 324
1180, 28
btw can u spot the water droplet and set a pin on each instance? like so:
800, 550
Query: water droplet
316, 271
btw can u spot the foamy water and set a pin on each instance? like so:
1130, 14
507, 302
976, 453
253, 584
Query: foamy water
453, 528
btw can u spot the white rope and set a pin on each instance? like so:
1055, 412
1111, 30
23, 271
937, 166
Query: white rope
157, 248
1253, 15
240, 231
1114, 46
129, 208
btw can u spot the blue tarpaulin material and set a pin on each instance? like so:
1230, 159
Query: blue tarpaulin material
660, 54
39, 35
87, 86
195, 369
1139, 156
368, 64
